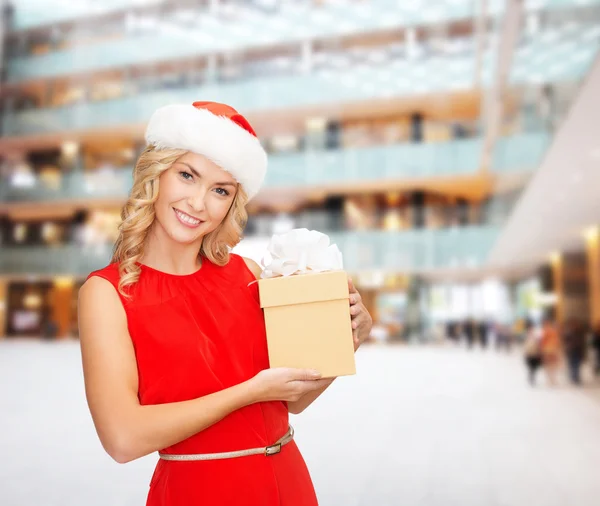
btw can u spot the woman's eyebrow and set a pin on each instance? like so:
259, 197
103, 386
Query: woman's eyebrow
195, 172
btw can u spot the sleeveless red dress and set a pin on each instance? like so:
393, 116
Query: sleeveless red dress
195, 335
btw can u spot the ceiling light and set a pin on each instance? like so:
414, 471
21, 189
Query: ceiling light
591, 234
69, 148
64, 282
22, 179
32, 301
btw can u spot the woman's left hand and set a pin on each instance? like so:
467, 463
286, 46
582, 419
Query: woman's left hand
361, 319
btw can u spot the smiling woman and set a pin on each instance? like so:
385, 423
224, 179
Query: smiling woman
172, 334
210, 208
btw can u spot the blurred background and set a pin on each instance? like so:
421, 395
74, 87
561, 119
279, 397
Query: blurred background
448, 147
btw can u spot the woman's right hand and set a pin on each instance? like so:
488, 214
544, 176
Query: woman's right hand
285, 384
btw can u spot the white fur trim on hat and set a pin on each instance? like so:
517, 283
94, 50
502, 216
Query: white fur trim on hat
221, 140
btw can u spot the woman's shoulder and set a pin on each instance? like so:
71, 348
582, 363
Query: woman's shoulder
242, 268
100, 285
110, 273
252, 266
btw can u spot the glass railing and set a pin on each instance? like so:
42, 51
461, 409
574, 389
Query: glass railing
72, 186
411, 250
173, 36
555, 61
35, 13
557, 53
66, 260
520, 152
323, 168
414, 250
363, 82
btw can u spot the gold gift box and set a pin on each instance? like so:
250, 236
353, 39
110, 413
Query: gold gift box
308, 322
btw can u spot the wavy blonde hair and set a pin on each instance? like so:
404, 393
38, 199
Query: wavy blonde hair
138, 216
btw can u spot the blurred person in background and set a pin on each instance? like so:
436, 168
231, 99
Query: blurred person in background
596, 347
172, 334
452, 331
504, 336
518, 329
483, 329
574, 344
469, 330
550, 350
532, 348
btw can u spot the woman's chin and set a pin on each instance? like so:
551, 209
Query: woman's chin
183, 237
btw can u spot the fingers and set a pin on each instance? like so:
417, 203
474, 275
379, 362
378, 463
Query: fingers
351, 286
307, 386
355, 298
358, 314
321, 383
304, 374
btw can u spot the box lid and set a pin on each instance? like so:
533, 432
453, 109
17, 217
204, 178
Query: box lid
303, 288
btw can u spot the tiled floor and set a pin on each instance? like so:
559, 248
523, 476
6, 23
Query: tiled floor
416, 426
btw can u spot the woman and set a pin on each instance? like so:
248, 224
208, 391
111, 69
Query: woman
532, 349
172, 334
551, 350
574, 344
596, 346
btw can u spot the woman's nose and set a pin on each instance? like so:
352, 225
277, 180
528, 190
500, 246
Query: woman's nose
196, 201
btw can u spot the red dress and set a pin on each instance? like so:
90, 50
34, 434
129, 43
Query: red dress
195, 335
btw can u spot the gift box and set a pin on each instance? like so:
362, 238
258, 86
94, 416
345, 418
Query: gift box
304, 296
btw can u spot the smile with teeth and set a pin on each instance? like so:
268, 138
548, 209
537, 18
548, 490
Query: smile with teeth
186, 218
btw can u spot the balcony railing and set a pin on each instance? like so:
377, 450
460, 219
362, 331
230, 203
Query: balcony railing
169, 36
391, 163
401, 251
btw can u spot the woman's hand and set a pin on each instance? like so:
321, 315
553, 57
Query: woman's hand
285, 384
361, 319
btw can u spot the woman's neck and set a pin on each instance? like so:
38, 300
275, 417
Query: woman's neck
164, 254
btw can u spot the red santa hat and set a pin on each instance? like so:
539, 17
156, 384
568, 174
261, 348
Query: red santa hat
216, 131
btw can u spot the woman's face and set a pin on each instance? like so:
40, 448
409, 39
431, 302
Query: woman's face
194, 197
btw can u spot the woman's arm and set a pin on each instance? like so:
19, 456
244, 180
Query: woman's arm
128, 430
307, 399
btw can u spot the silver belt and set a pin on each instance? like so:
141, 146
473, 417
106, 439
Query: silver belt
266, 451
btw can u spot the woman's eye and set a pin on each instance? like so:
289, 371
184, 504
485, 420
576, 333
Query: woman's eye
222, 191
186, 175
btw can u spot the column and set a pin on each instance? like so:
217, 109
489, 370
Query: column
417, 207
592, 247
61, 308
556, 270
306, 55
414, 316
3, 307
570, 285
6, 22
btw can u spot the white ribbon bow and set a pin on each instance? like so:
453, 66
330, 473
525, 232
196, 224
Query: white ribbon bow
300, 251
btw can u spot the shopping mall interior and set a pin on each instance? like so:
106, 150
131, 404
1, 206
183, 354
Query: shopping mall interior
423, 141
449, 148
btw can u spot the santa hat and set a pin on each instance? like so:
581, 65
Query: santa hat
216, 131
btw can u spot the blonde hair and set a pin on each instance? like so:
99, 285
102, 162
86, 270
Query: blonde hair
138, 216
